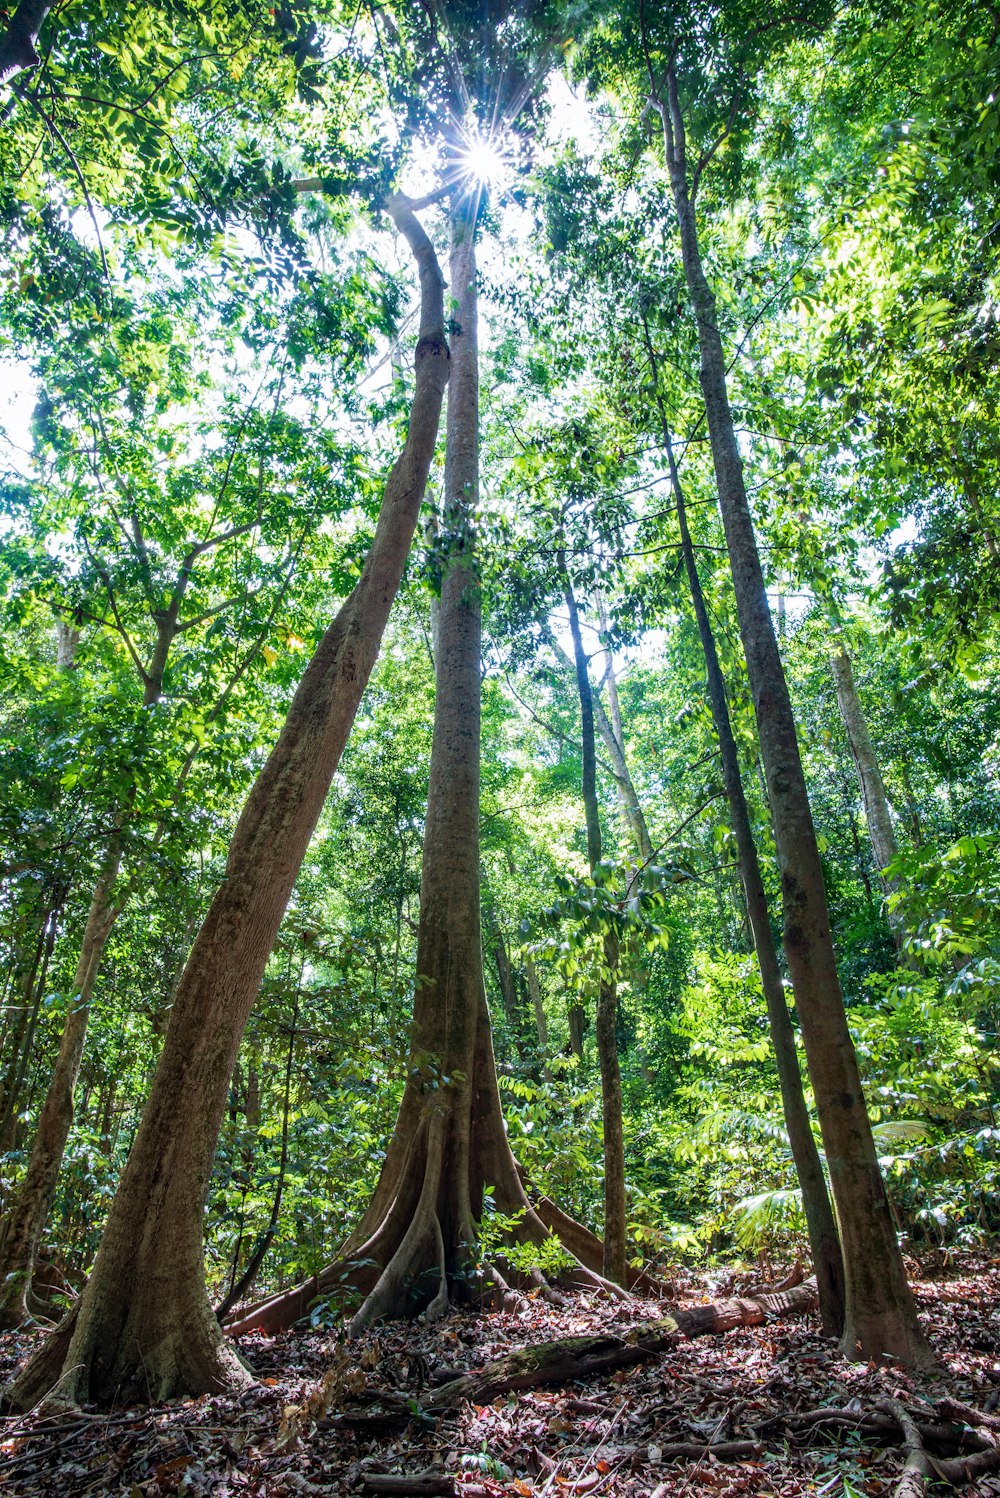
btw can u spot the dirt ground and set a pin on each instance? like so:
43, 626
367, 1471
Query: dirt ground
329, 1418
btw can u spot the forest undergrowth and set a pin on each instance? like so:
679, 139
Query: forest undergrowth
771, 1409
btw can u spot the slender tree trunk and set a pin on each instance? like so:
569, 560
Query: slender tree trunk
239, 1287
143, 1326
25, 1221
505, 976
824, 1241
537, 1007
26, 1031
29, 1209
632, 811
880, 1316
17, 45
613, 734
877, 814
607, 988
28, 990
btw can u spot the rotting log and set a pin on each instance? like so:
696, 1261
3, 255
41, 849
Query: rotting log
572, 1358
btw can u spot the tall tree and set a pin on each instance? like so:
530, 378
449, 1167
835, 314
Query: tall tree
417, 1243
880, 1317
607, 984
143, 1323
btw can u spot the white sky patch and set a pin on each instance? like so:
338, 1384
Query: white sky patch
573, 117
18, 397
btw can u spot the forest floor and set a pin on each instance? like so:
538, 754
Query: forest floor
326, 1418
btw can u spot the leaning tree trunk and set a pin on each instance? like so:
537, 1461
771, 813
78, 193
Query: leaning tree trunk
28, 1212
876, 803
880, 1316
824, 1240
607, 987
143, 1326
416, 1245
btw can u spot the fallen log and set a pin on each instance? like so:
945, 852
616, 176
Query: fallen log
572, 1358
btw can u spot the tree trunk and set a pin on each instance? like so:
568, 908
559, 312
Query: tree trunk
29, 1209
25, 1036
416, 1245
29, 993
824, 1241
877, 814
17, 46
143, 1326
880, 1317
538, 1009
607, 990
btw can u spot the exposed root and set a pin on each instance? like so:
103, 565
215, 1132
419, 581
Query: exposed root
508, 1298
407, 1240
439, 1305
551, 1296
385, 1298
917, 1467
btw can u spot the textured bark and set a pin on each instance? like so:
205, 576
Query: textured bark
876, 803
824, 1240
880, 1317
17, 46
415, 1247
143, 1327
607, 988
29, 1209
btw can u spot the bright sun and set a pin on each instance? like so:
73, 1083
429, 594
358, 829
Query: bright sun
484, 161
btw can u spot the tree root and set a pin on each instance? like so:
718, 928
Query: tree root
387, 1293
383, 1284
920, 1466
876, 1423
720, 1451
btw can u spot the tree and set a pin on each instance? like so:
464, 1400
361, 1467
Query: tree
143, 1321
876, 804
160, 581
880, 1316
607, 986
449, 1158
